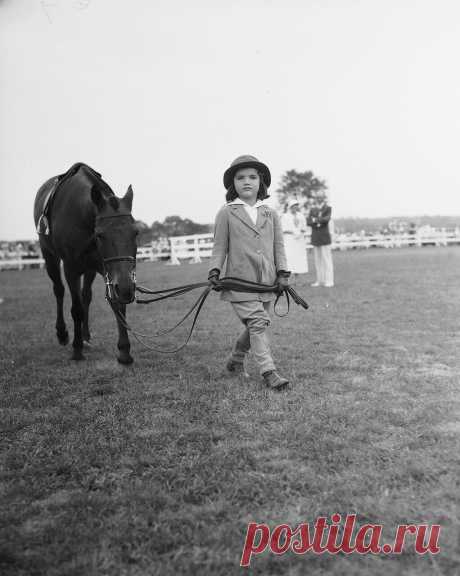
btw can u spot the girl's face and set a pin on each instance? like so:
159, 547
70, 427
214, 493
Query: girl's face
247, 182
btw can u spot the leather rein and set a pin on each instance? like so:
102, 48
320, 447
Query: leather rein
228, 283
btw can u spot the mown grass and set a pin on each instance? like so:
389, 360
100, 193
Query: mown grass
157, 468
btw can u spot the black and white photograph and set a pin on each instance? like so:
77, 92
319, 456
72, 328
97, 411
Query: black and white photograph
229, 287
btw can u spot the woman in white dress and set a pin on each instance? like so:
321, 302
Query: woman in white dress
294, 226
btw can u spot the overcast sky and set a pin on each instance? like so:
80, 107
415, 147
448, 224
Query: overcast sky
164, 94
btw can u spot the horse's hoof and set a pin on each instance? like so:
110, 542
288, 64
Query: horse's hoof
63, 338
77, 355
125, 359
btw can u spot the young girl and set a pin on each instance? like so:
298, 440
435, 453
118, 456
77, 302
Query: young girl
248, 235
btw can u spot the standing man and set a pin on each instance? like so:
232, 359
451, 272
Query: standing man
318, 219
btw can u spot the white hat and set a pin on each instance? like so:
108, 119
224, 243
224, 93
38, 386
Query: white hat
293, 202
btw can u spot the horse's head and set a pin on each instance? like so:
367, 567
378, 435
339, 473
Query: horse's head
116, 241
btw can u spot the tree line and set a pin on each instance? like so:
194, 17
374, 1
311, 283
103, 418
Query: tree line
171, 226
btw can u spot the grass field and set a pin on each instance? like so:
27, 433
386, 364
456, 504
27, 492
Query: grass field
157, 468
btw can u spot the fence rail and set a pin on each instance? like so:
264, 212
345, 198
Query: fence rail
194, 248
198, 246
435, 238
20, 264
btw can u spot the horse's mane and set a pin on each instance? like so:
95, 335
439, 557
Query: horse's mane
114, 201
93, 176
96, 179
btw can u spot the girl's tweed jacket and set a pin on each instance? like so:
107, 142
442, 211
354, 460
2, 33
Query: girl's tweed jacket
254, 252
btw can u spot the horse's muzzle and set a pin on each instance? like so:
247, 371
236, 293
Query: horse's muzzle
124, 297
120, 290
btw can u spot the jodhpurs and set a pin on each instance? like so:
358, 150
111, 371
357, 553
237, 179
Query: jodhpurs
255, 317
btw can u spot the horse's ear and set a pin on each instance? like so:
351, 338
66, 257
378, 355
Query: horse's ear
97, 197
128, 197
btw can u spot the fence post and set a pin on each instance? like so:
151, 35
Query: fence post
174, 260
196, 253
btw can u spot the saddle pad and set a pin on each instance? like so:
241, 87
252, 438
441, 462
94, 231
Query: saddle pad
43, 226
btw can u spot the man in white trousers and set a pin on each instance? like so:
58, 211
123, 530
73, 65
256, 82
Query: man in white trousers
318, 219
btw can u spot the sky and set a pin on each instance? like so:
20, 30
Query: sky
164, 94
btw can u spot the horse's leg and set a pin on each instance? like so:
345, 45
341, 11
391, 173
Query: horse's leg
124, 357
73, 281
53, 268
86, 295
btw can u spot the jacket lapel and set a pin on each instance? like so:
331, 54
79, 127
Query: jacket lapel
239, 212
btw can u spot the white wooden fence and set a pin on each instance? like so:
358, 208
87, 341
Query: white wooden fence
424, 238
197, 246
21, 263
194, 247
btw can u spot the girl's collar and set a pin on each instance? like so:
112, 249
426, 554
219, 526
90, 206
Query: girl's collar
256, 205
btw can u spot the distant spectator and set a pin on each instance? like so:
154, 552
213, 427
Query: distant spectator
294, 227
318, 219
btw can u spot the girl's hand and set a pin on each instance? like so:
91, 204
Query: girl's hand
213, 276
283, 281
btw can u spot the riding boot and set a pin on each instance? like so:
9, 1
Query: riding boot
235, 362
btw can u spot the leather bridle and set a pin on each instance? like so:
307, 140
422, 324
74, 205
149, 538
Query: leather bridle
109, 288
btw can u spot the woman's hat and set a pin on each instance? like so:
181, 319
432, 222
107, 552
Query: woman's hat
246, 161
293, 202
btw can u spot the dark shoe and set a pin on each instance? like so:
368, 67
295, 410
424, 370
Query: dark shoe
274, 381
236, 368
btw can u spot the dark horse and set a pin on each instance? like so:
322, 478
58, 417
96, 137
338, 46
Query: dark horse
82, 223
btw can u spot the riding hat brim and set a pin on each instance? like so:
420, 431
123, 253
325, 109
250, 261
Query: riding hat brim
260, 166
